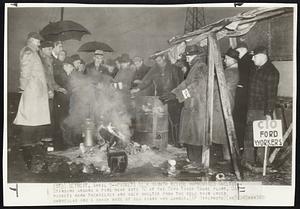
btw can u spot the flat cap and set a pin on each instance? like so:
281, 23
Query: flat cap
124, 58
34, 35
260, 50
232, 53
46, 44
75, 57
194, 50
68, 60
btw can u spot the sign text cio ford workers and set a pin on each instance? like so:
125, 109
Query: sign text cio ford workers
267, 133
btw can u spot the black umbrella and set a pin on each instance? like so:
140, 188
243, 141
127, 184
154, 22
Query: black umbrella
95, 45
63, 30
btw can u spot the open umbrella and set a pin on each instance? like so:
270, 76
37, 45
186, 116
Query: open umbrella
63, 30
95, 45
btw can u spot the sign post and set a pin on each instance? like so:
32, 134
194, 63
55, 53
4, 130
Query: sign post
267, 133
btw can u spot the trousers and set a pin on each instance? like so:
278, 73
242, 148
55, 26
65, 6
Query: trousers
252, 154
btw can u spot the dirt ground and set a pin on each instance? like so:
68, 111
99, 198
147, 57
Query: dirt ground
147, 166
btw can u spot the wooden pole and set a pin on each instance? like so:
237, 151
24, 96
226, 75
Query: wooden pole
285, 136
209, 105
224, 94
233, 42
265, 161
62, 14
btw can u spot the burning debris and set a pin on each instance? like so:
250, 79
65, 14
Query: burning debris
93, 106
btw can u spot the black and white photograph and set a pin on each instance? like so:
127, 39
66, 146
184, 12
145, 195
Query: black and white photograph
145, 98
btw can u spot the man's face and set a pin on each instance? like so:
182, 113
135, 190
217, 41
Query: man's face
124, 65
118, 65
81, 67
57, 48
76, 64
47, 51
259, 59
98, 58
36, 42
189, 58
160, 61
229, 61
61, 56
138, 64
68, 68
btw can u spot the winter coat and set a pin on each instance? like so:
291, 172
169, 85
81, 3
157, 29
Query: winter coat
219, 128
48, 67
164, 80
192, 91
34, 105
100, 74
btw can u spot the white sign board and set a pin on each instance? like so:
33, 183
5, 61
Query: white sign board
267, 133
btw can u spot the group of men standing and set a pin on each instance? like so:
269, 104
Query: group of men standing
252, 82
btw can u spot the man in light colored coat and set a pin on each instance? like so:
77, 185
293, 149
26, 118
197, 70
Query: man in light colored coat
33, 110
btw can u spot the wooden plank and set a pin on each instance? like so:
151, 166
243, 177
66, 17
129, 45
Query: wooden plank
233, 42
209, 106
210, 91
232, 140
244, 18
285, 136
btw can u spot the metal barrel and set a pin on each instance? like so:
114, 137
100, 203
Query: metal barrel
152, 123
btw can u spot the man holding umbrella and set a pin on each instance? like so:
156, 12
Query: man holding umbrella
57, 48
45, 53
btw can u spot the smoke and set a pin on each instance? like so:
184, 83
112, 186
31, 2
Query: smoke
99, 101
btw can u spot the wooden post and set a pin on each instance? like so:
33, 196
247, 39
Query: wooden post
285, 136
265, 161
233, 42
209, 105
232, 140
62, 14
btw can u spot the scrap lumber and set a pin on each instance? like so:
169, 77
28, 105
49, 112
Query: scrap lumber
224, 96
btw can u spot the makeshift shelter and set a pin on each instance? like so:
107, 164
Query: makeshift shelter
209, 35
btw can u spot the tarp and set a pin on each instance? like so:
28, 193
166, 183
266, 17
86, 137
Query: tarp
228, 27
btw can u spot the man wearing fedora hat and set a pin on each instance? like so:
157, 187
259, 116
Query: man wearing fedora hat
33, 111
125, 75
97, 69
262, 101
45, 53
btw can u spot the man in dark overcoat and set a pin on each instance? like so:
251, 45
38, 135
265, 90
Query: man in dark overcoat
246, 68
164, 77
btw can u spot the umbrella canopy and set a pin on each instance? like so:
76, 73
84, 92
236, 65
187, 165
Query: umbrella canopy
63, 30
95, 45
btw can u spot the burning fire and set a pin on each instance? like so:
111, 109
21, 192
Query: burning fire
106, 106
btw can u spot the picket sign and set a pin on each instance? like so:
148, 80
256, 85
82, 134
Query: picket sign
267, 133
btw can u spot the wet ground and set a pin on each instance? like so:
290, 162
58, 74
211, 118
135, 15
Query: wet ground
18, 172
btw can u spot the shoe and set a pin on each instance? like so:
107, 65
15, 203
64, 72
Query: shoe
27, 156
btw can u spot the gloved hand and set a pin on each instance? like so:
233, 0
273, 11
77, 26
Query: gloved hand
167, 97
